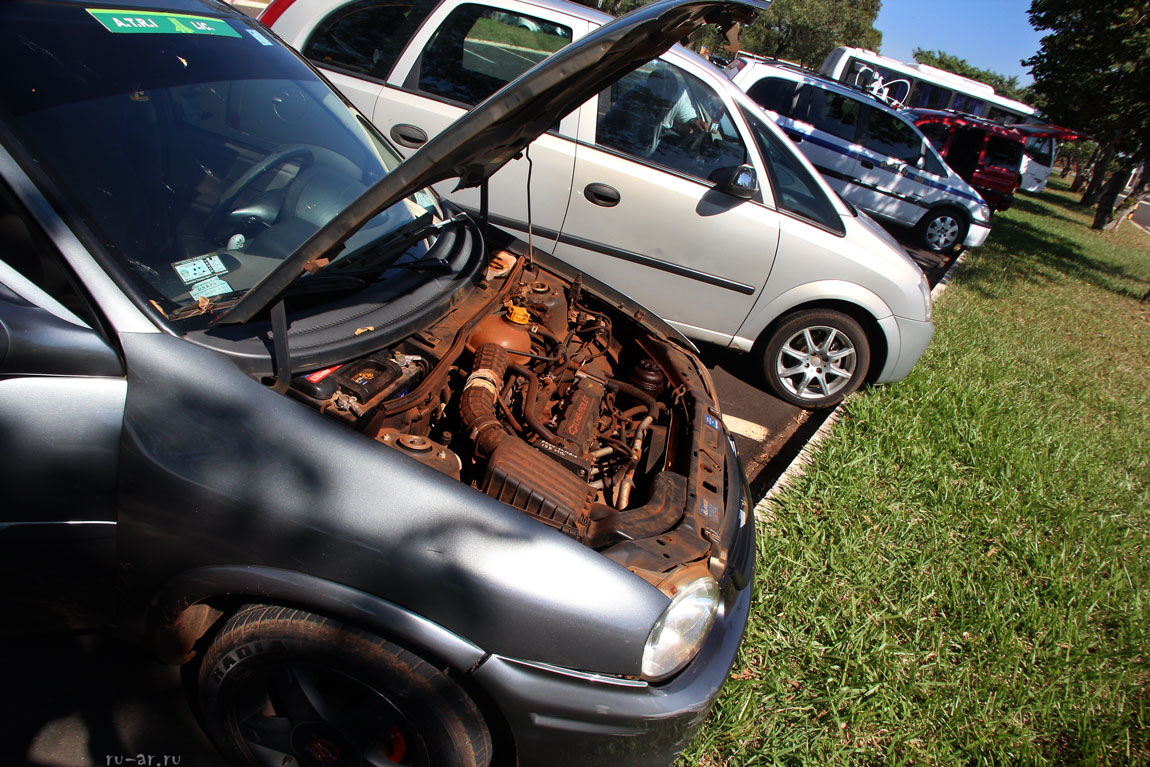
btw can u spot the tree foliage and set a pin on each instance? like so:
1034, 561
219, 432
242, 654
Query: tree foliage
1092, 73
805, 31
1004, 85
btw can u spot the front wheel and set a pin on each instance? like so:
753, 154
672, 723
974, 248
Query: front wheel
283, 687
815, 358
942, 230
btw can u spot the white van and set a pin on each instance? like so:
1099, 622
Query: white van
869, 153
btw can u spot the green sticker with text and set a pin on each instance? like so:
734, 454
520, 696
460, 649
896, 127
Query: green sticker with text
149, 22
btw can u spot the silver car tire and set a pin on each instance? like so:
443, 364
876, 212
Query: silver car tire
279, 686
816, 357
943, 230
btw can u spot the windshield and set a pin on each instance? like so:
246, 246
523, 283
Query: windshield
199, 151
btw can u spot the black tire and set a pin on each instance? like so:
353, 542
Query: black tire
943, 230
821, 376
278, 682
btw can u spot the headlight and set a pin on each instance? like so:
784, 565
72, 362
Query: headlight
984, 212
681, 629
924, 288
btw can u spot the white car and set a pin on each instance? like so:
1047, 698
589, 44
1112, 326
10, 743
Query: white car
670, 185
871, 154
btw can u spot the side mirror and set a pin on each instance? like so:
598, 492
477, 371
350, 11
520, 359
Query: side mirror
742, 183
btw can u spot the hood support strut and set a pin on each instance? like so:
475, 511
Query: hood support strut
280, 348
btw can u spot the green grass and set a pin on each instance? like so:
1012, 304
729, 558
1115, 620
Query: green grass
960, 577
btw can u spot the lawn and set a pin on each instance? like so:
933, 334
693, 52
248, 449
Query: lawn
961, 575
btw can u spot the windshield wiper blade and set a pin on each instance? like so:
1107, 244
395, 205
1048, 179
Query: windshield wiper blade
428, 264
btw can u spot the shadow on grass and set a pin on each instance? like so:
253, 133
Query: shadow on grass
1023, 252
1056, 197
1033, 207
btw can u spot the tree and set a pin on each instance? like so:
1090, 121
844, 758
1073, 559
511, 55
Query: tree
1092, 73
1004, 85
805, 31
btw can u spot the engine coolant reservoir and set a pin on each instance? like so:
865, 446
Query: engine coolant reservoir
507, 329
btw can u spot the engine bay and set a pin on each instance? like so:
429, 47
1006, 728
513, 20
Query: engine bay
538, 393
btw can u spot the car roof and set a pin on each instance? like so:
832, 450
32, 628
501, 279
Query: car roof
802, 74
571, 9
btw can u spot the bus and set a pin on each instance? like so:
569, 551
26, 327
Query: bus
919, 86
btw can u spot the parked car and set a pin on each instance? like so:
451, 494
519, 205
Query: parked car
987, 155
869, 153
394, 491
670, 185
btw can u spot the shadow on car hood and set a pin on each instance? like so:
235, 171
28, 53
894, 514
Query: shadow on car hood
497, 130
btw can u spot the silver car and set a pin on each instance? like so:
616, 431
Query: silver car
671, 185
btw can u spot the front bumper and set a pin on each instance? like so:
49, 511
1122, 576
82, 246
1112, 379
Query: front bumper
563, 718
976, 235
913, 337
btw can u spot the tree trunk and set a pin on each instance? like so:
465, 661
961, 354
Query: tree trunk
1085, 170
1079, 180
1132, 201
1109, 196
1094, 189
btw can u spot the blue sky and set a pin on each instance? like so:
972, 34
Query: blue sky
990, 34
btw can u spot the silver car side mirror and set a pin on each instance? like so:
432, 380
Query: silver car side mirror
742, 183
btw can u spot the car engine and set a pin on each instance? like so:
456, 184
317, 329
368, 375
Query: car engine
541, 395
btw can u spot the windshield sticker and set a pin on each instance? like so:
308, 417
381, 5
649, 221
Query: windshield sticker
152, 23
213, 286
262, 40
192, 269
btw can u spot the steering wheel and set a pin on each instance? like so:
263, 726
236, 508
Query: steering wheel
303, 152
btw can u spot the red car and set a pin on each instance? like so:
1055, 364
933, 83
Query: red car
987, 155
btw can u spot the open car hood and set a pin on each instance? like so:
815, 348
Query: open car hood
498, 129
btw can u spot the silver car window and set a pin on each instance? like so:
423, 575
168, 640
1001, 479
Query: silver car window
367, 37
479, 49
665, 115
795, 190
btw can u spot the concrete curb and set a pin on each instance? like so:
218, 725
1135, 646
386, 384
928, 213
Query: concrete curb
763, 509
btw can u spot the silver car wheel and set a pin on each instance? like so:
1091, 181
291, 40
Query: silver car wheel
942, 232
816, 362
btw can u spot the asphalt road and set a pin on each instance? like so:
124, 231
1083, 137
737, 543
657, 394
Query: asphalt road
1142, 216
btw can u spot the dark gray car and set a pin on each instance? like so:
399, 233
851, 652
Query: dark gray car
396, 489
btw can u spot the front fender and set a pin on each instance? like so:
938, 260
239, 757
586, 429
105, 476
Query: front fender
820, 291
175, 623
220, 471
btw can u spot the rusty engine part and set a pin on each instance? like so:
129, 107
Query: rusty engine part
526, 393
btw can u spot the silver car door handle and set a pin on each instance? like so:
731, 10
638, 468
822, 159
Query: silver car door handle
601, 194
410, 136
